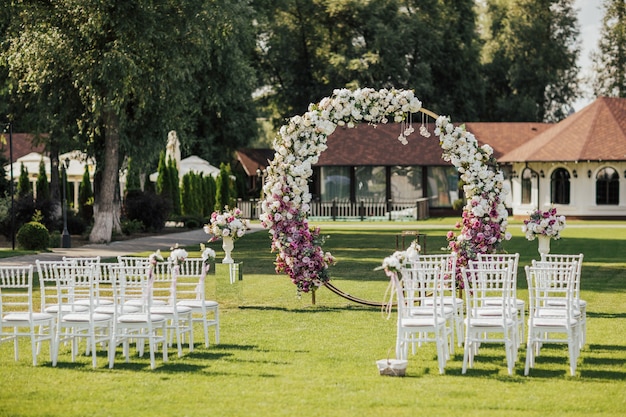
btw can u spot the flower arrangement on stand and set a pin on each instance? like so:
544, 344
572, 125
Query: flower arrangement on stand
227, 223
544, 226
544, 223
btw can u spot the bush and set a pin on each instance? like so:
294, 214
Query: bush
130, 227
55, 239
33, 236
150, 209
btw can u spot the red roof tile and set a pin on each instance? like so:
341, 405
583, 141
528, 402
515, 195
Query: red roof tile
596, 133
369, 145
22, 145
253, 159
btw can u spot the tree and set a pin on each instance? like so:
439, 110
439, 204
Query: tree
133, 180
609, 62
43, 188
124, 73
530, 60
85, 197
224, 196
308, 48
24, 187
209, 192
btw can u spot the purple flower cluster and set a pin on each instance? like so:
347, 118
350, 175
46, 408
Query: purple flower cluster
478, 235
300, 254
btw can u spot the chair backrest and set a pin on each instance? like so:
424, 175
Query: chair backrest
548, 282
79, 285
556, 259
485, 282
86, 260
163, 282
18, 280
446, 262
130, 283
52, 276
419, 282
191, 276
499, 261
133, 260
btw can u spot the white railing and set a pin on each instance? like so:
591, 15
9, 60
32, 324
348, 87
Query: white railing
335, 210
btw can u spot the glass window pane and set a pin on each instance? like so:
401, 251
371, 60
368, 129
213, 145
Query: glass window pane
560, 186
406, 183
335, 183
607, 187
442, 186
370, 184
527, 186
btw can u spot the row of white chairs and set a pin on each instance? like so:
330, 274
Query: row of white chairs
430, 310
107, 304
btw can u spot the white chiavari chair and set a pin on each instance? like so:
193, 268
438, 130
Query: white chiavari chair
75, 323
486, 321
547, 322
580, 303
417, 323
191, 292
19, 318
503, 260
447, 263
137, 327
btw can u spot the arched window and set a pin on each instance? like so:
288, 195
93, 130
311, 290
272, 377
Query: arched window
559, 186
607, 186
527, 186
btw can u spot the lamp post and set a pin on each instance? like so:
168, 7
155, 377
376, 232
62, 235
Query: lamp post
9, 125
66, 239
261, 173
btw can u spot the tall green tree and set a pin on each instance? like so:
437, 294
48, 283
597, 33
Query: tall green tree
609, 61
131, 71
308, 48
209, 188
530, 60
24, 187
224, 195
42, 186
85, 197
174, 186
133, 176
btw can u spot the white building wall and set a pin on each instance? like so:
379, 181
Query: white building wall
582, 189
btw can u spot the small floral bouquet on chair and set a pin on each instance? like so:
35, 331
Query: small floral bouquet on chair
178, 255
544, 223
208, 254
156, 257
228, 223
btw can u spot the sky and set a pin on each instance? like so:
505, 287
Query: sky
590, 19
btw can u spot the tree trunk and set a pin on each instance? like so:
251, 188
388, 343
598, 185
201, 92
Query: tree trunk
106, 214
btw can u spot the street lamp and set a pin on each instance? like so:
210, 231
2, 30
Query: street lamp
66, 240
9, 125
261, 173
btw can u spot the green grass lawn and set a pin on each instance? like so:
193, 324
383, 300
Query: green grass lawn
282, 356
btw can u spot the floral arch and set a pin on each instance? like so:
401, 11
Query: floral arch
301, 141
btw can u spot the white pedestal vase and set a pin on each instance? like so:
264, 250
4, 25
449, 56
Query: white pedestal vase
544, 244
228, 244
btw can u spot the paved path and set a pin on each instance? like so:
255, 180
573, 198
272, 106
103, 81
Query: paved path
125, 247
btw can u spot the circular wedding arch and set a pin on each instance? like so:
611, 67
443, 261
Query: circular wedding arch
301, 141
